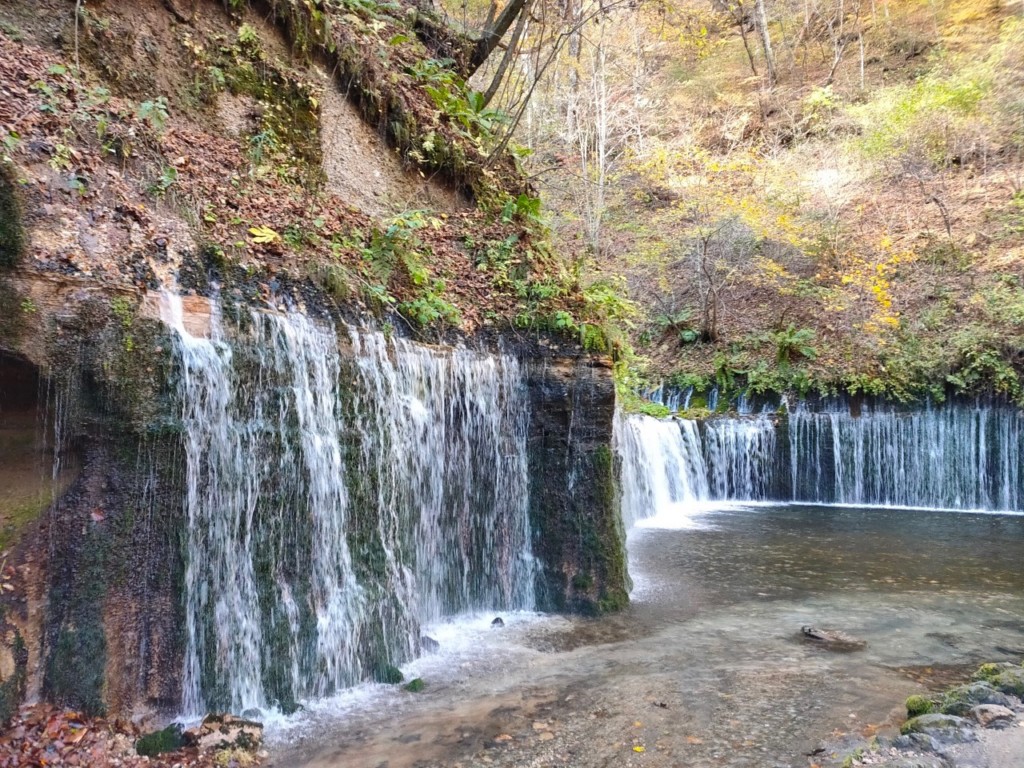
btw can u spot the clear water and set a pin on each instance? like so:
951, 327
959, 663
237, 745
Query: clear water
707, 667
713, 634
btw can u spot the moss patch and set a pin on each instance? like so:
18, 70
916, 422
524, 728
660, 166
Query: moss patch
158, 742
919, 705
16, 517
12, 235
386, 673
76, 664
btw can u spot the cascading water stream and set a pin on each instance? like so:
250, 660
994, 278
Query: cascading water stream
740, 455
663, 470
670, 467
953, 456
337, 501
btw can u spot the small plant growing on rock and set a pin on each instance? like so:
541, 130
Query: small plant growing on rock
919, 705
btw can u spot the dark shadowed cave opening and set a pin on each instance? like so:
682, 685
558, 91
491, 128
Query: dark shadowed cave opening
26, 449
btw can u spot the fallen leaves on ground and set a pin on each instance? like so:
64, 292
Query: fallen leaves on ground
42, 735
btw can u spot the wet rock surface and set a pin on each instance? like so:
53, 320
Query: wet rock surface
991, 715
991, 737
942, 729
832, 639
962, 699
226, 732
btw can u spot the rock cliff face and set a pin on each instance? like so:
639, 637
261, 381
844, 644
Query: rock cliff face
201, 146
95, 562
96, 616
574, 498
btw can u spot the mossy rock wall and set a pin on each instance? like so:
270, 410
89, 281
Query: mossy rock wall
105, 556
111, 548
578, 534
112, 636
12, 235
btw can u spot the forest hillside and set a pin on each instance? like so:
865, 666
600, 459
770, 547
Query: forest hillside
809, 195
758, 195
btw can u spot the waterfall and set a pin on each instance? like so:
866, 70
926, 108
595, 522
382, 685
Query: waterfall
954, 456
670, 466
337, 500
663, 469
740, 456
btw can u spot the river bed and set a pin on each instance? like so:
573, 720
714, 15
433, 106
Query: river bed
707, 666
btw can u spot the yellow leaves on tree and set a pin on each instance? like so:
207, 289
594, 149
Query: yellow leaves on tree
874, 277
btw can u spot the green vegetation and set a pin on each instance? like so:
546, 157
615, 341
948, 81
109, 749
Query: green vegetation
12, 236
17, 515
387, 673
919, 705
158, 742
840, 221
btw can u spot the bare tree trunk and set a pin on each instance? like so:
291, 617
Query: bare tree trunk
510, 52
709, 314
739, 13
601, 138
575, 43
860, 42
492, 34
932, 197
78, 11
761, 21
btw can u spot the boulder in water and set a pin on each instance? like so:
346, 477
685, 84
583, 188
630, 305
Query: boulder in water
991, 715
943, 729
962, 699
415, 686
833, 639
498, 622
429, 644
1010, 681
387, 673
988, 672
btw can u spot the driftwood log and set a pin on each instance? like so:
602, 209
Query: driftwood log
832, 639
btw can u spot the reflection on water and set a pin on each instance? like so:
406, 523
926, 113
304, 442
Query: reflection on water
812, 550
707, 660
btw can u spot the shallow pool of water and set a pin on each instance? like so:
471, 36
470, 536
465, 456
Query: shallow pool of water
707, 666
